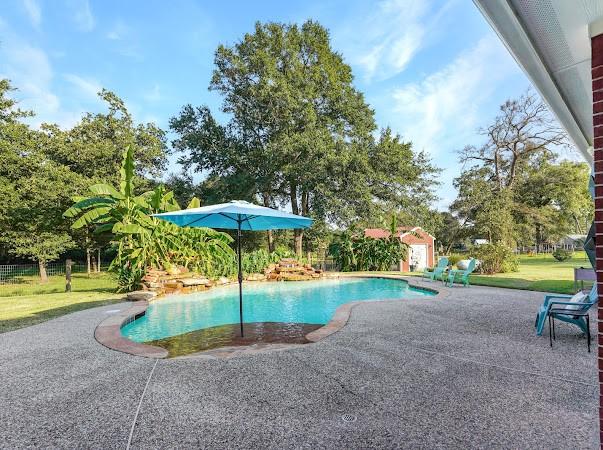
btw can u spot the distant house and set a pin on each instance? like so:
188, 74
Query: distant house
421, 246
573, 240
480, 241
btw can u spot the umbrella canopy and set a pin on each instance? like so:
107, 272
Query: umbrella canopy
236, 215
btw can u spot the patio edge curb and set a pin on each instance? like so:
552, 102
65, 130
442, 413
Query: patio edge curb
108, 333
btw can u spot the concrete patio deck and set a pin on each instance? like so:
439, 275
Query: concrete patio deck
461, 371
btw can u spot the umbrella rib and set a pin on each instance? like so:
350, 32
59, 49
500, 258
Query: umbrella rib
196, 220
247, 218
228, 217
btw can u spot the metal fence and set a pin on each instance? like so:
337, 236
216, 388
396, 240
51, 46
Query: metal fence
325, 264
24, 279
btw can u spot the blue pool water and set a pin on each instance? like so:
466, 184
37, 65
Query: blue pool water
310, 302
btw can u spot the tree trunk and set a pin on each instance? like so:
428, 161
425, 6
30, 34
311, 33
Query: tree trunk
304, 212
297, 234
88, 262
94, 268
538, 238
269, 233
43, 275
98, 266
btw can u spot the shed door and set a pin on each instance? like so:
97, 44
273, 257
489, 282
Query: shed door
418, 256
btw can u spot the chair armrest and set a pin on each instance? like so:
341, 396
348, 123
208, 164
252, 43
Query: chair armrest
582, 308
549, 296
589, 304
565, 303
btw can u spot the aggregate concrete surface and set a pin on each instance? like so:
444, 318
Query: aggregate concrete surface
461, 370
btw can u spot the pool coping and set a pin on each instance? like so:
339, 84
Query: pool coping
108, 332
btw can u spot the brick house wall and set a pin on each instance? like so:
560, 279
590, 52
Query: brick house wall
597, 83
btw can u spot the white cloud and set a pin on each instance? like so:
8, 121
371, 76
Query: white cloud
389, 37
441, 111
30, 70
440, 114
83, 17
33, 11
88, 86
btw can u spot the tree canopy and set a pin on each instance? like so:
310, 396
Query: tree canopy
515, 188
299, 132
42, 169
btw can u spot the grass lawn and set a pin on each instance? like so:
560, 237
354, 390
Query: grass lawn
538, 273
40, 302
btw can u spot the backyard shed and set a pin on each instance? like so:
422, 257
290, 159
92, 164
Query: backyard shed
420, 242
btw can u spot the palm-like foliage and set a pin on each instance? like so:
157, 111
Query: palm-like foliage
258, 260
144, 241
355, 252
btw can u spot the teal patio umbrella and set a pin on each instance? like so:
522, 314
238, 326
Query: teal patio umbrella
236, 215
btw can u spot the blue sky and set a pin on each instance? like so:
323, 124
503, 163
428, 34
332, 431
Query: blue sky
434, 71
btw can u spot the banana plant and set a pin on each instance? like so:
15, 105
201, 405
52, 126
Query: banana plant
143, 241
109, 209
355, 252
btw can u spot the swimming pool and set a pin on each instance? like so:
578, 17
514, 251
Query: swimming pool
304, 302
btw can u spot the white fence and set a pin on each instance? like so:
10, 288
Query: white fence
548, 248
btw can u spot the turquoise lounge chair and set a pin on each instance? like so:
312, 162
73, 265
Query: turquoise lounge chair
558, 301
437, 270
461, 275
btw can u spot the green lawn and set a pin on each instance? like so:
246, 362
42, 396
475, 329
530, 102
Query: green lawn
80, 282
538, 273
41, 302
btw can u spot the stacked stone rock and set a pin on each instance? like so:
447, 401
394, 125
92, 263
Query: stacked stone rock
177, 279
180, 280
289, 269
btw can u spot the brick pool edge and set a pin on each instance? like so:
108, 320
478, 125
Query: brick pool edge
108, 332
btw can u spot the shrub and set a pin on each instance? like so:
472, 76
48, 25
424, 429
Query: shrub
495, 258
561, 254
455, 257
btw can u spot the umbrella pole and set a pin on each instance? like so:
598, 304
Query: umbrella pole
240, 277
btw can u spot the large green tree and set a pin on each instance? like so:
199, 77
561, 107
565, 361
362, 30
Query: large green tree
514, 188
299, 132
553, 200
93, 147
34, 189
41, 170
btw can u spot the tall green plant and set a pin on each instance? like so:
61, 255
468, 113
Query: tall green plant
143, 241
353, 252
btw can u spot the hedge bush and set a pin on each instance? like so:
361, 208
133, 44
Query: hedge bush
561, 254
455, 257
495, 258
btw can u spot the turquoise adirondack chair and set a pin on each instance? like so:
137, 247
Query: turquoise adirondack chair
556, 301
461, 275
437, 271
